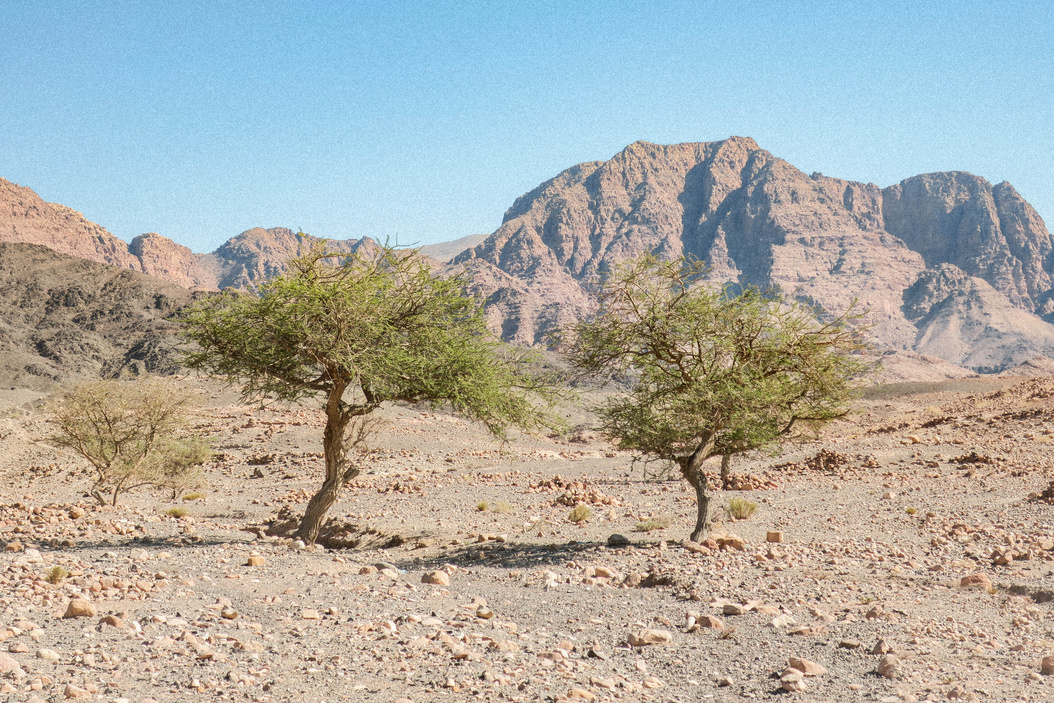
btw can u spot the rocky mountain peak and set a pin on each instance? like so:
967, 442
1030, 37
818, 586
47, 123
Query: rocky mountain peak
758, 220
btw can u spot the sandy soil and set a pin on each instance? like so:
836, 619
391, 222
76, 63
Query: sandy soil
882, 518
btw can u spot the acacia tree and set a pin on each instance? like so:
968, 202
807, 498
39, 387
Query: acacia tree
354, 332
715, 372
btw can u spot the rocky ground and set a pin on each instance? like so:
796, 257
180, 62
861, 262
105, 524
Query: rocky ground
911, 564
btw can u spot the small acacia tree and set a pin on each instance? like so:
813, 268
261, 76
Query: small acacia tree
716, 373
132, 433
353, 332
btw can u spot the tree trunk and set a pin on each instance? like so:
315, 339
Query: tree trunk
317, 508
702, 502
692, 470
333, 449
726, 471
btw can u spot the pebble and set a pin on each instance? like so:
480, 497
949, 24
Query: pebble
643, 638
438, 578
79, 608
889, 666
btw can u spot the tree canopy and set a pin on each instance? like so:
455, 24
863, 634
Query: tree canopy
714, 371
354, 332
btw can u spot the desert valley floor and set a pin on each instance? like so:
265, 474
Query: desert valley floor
916, 563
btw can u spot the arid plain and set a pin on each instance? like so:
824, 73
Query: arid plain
883, 519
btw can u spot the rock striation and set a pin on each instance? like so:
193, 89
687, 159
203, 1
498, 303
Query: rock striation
64, 318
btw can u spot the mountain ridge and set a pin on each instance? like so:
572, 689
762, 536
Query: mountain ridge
754, 218
758, 220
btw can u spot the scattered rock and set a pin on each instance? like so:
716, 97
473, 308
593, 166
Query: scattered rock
793, 680
112, 621
889, 666
643, 638
978, 580
882, 647
79, 608
806, 666
10, 665
438, 578
76, 693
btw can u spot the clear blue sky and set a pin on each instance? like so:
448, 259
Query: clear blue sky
423, 121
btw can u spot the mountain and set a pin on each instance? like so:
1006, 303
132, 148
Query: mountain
242, 261
444, 251
758, 220
946, 264
64, 318
26, 218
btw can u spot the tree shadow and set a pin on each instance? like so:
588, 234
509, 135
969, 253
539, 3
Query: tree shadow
505, 555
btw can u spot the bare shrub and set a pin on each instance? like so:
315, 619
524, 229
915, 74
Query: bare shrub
132, 434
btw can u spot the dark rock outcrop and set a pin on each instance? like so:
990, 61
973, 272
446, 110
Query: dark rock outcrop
63, 318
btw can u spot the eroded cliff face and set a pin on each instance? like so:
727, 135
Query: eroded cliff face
753, 218
987, 231
758, 220
65, 318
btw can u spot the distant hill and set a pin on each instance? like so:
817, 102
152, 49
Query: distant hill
445, 251
244, 260
64, 318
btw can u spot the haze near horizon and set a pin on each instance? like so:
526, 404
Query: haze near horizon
422, 122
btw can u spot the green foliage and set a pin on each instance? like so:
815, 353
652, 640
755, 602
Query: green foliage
193, 496
741, 508
378, 325
481, 506
580, 513
132, 433
714, 371
353, 332
740, 369
176, 512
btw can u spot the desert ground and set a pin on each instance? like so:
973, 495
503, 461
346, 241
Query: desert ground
915, 564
